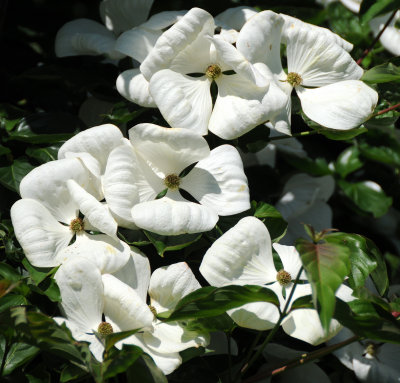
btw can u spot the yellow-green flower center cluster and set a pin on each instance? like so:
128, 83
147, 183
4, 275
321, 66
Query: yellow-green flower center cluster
213, 71
283, 277
172, 181
105, 329
77, 225
294, 79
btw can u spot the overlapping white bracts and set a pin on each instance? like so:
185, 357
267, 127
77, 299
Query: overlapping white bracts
88, 37
303, 201
243, 255
390, 37
137, 172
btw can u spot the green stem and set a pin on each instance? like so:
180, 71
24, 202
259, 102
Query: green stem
378, 36
305, 358
302, 134
275, 328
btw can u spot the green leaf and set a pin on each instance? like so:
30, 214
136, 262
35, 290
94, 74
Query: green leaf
365, 259
11, 300
272, 219
343, 135
221, 322
71, 372
43, 155
326, 265
11, 176
255, 140
111, 339
315, 167
8, 272
45, 128
38, 274
348, 161
212, 301
4, 150
386, 154
304, 302
17, 355
164, 243
386, 72
371, 8
144, 370
368, 196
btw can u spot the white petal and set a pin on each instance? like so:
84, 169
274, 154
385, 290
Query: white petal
47, 184
95, 212
123, 182
137, 42
136, 273
195, 23
185, 102
290, 260
167, 150
169, 284
390, 38
81, 291
353, 5
98, 141
124, 306
293, 24
91, 164
318, 60
168, 217
107, 254
238, 107
39, 234
260, 40
235, 17
163, 20
243, 255
85, 37
134, 87
342, 106
121, 15
259, 316
219, 182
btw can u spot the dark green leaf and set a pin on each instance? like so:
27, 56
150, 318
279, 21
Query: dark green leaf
326, 265
373, 8
221, 322
116, 337
368, 196
43, 155
11, 300
38, 274
315, 167
387, 154
382, 73
4, 150
17, 355
11, 176
343, 135
71, 372
348, 161
302, 303
272, 219
212, 301
7, 272
144, 370
164, 243
255, 140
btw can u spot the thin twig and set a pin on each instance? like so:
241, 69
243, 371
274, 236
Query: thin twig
386, 110
365, 53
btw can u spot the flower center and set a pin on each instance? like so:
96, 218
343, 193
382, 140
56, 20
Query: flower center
370, 350
213, 71
105, 329
294, 79
77, 225
172, 181
283, 277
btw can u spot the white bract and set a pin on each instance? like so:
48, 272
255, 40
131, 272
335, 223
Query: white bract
390, 37
243, 255
303, 201
152, 162
181, 68
88, 37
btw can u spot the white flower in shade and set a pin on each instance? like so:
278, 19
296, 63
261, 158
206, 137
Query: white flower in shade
323, 74
46, 219
152, 162
353, 5
167, 285
371, 361
390, 37
303, 201
137, 44
88, 37
183, 65
243, 256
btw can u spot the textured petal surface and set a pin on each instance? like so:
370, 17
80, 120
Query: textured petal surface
121, 15
238, 107
290, 260
47, 184
109, 255
85, 37
167, 150
342, 106
219, 182
168, 217
185, 102
81, 291
243, 255
259, 316
132, 85
317, 60
169, 284
124, 306
39, 234
195, 23
98, 141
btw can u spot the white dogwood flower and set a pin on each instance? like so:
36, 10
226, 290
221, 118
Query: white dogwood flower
303, 201
88, 37
153, 161
390, 37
